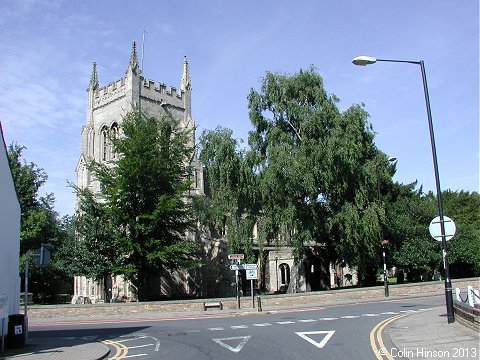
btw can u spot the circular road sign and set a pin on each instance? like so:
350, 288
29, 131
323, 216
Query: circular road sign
435, 229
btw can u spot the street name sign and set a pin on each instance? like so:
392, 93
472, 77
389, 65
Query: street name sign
236, 256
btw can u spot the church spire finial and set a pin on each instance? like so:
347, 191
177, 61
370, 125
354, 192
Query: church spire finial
133, 63
94, 77
185, 84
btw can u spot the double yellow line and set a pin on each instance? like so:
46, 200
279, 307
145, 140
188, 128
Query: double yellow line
376, 340
121, 350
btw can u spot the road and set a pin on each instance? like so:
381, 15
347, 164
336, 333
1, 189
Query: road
330, 332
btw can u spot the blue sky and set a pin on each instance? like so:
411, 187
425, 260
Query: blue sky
47, 49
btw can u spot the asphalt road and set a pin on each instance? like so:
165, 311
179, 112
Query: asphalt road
331, 332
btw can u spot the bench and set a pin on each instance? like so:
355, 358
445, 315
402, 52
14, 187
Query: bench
217, 304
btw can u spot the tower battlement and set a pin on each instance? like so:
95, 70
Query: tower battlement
151, 88
110, 88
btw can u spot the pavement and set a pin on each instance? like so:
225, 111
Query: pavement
419, 335
428, 336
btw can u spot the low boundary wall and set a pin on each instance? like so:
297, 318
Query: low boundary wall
466, 315
269, 302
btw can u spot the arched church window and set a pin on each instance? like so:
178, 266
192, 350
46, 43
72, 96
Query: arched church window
90, 142
285, 273
104, 140
115, 133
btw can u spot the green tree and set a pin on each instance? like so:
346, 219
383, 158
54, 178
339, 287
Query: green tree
230, 190
409, 213
92, 249
316, 169
146, 194
464, 249
39, 224
308, 177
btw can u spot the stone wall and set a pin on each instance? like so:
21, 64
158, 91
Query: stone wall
467, 315
269, 302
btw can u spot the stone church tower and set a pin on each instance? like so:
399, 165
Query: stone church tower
106, 107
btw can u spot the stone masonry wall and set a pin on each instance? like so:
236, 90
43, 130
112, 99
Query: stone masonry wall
268, 301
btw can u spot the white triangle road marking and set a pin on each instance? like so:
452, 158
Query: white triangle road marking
236, 349
321, 344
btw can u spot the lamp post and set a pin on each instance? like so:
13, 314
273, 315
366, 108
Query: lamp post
367, 60
391, 159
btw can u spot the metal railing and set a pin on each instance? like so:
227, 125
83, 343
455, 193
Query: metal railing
472, 297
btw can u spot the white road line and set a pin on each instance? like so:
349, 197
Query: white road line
239, 326
130, 356
307, 320
370, 314
321, 344
140, 346
263, 324
331, 318
216, 329
350, 317
389, 313
285, 322
236, 349
132, 339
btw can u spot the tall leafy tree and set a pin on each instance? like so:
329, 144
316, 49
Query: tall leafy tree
92, 248
464, 249
38, 218
39, 223
308, 177
230, 189
409, 213
316, 169
146, 195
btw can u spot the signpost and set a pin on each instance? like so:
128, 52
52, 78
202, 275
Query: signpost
442, 228
252, 275
42, 258
251, 271
236, 267
3, 315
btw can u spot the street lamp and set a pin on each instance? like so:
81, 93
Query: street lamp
392, 160
367, 60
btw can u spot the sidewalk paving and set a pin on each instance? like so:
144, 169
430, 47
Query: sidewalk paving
423, 335
87, 348
427, 335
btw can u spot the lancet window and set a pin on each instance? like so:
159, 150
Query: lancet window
114, 133
104, 143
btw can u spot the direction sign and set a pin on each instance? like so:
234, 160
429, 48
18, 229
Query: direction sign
237, 267
236, 256
435, 229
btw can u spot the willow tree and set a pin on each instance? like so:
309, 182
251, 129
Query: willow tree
315, 169
231, 201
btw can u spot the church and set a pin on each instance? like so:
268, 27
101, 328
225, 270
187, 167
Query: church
278, 272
